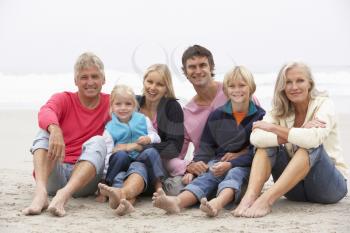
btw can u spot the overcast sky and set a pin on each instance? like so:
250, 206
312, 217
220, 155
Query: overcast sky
46, 36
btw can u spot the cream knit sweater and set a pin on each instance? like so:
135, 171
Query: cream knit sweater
320, 107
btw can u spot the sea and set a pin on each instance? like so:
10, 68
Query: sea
30, 91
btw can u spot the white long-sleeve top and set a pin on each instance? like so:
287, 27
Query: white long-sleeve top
151, 132
323, 109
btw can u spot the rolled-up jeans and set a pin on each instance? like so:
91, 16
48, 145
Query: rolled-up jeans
207, 184
121, 161
323, 184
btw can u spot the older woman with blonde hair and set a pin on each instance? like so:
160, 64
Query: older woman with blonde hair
298, 143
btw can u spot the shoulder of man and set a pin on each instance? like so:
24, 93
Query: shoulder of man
61, 98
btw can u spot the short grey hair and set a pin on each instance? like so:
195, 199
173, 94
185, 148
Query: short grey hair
87, 60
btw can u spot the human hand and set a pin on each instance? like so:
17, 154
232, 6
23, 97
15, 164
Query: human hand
57, 146
127, 147
197, 168
220, 168
281, 140
187, 178
133, 146
120, 147
232, 155
314, 123
263, 126
144, 140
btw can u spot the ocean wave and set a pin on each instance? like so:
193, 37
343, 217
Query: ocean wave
33, 90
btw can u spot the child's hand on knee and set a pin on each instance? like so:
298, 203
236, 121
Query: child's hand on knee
144, 140
187, 178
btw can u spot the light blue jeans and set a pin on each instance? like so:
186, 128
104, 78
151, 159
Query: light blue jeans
207, 184
135, 167
323, 184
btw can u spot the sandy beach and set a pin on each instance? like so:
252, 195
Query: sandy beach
18, 128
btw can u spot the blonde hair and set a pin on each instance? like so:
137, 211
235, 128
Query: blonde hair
239, 73
164, 72
124, 91
87, 60
281, 105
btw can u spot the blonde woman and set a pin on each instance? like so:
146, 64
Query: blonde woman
298, 143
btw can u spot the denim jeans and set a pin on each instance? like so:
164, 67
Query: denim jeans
323, 184
207, 184
171, 185
134, 168
121, 161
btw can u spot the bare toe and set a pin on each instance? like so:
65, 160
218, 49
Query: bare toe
207, 208
168, 203
39, 203
124, 208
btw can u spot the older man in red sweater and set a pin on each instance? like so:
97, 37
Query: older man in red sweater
68, 155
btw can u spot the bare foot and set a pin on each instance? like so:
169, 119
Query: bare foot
39, 203
125, 207
114, 195
56, 206
260, 208
168, 203
101, 198
209, 208
158, 184
246, 202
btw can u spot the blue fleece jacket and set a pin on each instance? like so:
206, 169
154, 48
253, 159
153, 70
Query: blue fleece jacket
123, 133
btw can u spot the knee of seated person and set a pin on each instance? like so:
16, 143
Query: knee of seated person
96, 142
95, 147
152, 153
42, 134
120, 155
41, 141
270, 151
315, 151
238, 172
260, 150
137, 166
316, 154
303, 150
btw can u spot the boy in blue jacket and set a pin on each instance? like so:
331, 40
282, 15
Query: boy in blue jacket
225, 147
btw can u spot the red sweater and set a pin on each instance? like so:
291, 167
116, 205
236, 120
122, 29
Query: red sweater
77, 122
